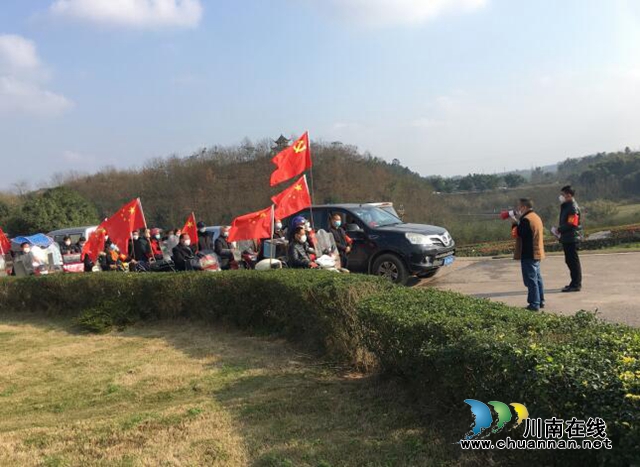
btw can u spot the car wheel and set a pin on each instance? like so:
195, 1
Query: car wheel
391, 267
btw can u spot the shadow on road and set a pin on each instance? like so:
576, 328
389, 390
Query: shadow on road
519, 293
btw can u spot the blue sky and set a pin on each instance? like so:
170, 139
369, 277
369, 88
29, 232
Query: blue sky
446, 86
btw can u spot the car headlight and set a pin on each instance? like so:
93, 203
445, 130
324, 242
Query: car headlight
418, 239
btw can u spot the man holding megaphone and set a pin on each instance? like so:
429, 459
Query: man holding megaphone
528, 232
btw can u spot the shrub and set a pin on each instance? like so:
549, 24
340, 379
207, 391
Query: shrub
460, 347
446, 345
316, 310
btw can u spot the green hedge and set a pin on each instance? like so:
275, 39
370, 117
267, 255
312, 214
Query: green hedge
317, 310
622, 235
466, 348
446, 345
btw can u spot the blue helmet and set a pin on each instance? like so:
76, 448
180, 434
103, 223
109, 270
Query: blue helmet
298, 221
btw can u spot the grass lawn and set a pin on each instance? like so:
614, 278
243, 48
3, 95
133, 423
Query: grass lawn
184, 394
627, 214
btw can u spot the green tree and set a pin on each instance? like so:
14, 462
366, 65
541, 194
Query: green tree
52, 209
5, 211
514, 180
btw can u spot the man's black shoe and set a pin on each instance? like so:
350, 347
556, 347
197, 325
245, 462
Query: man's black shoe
571, 288
542, 305
532, 308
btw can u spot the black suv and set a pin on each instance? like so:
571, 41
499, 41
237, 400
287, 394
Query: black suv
383, 244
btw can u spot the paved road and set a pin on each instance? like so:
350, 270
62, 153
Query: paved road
611, 284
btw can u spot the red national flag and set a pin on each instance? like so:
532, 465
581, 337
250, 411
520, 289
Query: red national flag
292, 161
293, 199
119, 226
94, 244
5, 244
191, 229
251, 226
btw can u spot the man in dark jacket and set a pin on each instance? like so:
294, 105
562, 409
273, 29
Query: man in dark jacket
224, 249
67, 248
529, 235
141, 251
569, 232
299, 256
204, 239
183, 254
278, 232
340, 236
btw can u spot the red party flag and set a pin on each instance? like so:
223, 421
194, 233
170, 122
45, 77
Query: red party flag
292, 161
5, 244
191, 229
119, 226
251, 226
94, 244
293, 199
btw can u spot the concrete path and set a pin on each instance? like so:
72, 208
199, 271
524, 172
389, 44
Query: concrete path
611, 284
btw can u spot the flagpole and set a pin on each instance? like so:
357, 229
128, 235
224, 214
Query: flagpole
142, 211
273, 227
310, 187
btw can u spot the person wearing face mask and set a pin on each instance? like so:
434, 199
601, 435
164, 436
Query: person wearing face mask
141, 251
25, 249
183, 254
173, 239
156, 249
529, 249
299, 255
569, 233
341, 239
111, 260
204, 239
278, 233
66, 248
224, 249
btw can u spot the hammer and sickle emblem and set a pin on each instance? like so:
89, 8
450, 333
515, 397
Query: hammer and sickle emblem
299, 147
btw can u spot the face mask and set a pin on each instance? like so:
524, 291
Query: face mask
67, 243
136, 237
187, 242
337, 224
157, 237
307, 226
82, 245
278, 226
112, 247
303, 239
26, 250
203, 230
562, 199
225, 234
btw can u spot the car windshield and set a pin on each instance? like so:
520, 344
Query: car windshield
376, 217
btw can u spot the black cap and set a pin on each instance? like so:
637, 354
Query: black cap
201, 225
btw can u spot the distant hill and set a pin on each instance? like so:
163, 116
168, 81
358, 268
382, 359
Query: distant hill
221, 183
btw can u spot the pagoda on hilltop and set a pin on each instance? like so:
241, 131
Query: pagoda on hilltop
281, 144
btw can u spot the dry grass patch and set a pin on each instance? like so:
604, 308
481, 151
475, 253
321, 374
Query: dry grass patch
184, 394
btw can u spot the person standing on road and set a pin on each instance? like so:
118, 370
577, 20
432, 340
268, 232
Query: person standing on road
529, 235
569, 232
